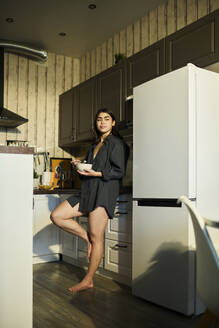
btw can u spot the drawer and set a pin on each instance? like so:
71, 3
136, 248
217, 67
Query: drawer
120, 228
118, 257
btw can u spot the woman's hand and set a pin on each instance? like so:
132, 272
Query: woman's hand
75, 161
90, 173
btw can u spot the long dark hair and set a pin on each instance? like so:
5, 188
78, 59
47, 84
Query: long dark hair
115, 132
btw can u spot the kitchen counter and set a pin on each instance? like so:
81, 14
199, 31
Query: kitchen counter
123, 190
16, 150
56, 191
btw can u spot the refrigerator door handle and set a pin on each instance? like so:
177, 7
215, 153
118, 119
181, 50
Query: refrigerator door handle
161, 202
158, 202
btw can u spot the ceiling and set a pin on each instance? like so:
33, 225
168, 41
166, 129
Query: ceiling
37, 23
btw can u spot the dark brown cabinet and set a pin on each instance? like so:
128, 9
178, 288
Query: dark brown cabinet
145, 65
110, 90
84, 106
67, 118
197, 43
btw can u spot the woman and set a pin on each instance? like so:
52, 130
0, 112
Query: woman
99, 191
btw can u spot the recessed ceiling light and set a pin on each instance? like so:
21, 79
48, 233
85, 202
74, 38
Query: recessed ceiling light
62, 34
92, 6
9, 20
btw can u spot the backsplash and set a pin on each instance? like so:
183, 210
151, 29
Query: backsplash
32, 90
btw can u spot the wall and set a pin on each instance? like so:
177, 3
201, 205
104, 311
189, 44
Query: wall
32, 90
151, 27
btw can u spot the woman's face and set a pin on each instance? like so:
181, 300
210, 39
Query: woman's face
104, 123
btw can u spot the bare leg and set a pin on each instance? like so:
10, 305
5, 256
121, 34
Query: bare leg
62, 217
97, 221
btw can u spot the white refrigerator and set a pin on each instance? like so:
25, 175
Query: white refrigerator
175, 152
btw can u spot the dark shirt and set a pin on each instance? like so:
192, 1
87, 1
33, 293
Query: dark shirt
103, 191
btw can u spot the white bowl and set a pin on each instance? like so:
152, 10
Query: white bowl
83, 166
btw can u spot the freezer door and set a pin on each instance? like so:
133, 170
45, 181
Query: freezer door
164, 136
163, 267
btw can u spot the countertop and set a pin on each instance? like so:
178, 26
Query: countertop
123, 190
16, 150
56, 191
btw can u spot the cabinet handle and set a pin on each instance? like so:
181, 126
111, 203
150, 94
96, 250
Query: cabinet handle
117, 213
117, 246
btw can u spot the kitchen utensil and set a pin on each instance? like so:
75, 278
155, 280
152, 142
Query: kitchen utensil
47, 178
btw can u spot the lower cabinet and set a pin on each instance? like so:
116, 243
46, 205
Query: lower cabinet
46, 236
118, 257
118, 239
49, 241
68, 242
76, 248
82, 245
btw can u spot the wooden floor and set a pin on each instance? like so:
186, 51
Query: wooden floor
108, 305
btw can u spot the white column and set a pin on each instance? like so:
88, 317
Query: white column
16, 194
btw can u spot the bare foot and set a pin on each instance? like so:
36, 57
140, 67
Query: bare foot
83, 285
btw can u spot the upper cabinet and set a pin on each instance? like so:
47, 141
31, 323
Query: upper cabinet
197, 43
67, 118
111, 90
76, 108
145, 65
85, 104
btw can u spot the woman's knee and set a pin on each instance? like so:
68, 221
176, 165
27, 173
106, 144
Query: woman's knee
96, 238
55, 218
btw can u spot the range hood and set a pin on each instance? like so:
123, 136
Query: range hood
9, 119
